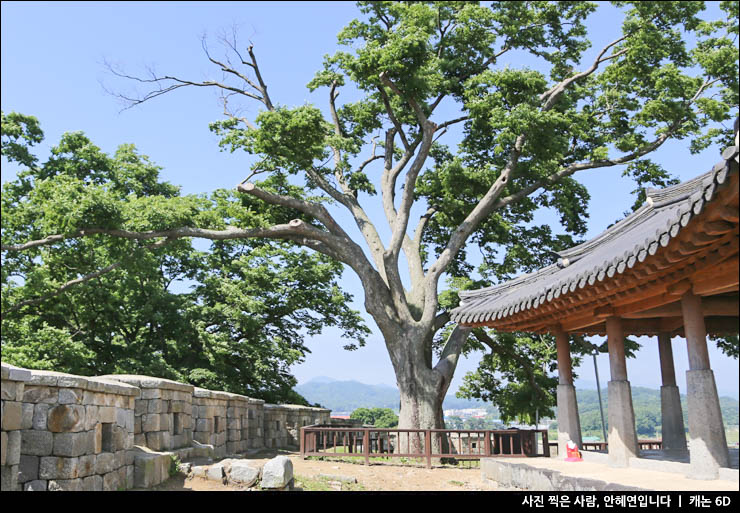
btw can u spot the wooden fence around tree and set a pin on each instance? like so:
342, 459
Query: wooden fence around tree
369, 442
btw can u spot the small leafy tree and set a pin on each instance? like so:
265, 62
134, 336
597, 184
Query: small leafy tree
378, 417
98, 305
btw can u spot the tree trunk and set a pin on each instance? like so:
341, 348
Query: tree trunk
422, 391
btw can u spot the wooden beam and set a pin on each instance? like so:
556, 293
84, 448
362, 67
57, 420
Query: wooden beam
728, 213
724, 280
722, 325
711, 306
717, 227
679, 288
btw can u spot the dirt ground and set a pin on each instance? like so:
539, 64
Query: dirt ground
375, 477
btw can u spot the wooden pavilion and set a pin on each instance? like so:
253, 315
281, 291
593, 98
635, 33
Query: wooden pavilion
668, 269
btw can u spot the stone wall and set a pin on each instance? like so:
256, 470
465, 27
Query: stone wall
283, 423
76, 433
243, 424
162, 414
13, 380
66, 432
209, 419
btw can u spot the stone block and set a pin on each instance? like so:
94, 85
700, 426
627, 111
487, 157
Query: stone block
166, 440
3, 447
35, 486
277, 473
36, 443
27, 416
91, 417
9, 390
156, 406
129, 476
111, 482
86, 465
40, 394
12, 415
118, 440
40, 417
150, 422
74, 444
122, 416
9, 477
243, 473
154, 440
71, 396
164, 421
128, 420
98, 439
105, 462
137, 425
52, 467
107, 414
215, 473
140, 439
92, 484
66, 418
13, 448
204, 425
140, 407
144, 471
28, 468
151, 393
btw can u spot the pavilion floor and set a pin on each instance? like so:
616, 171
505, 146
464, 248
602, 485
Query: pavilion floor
653, 471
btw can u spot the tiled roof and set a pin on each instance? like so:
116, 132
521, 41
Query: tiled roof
664, 214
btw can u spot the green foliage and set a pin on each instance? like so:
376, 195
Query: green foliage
174, 465
239, 328
646, 403
378, 417
19, 132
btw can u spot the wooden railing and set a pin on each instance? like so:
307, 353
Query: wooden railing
643, 445
421, 443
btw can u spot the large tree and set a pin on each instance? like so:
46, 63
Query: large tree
523, 135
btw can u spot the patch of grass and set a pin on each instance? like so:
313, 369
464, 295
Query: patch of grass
174, 465
456, 483
321, 484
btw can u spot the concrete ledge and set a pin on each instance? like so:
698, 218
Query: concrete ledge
96, 384
149, 382
295, 407
150, 467
525, 477
13, 373
729, 474
673, 467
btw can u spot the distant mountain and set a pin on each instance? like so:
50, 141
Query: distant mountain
350, 395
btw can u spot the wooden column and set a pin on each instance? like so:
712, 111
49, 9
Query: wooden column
569, 423
615, 342
708, 444
565, 365
673, 433
622, 434
665, 350
695, 331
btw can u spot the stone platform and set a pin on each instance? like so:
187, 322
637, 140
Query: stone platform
555, 474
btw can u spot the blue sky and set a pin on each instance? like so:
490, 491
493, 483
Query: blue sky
52, 68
